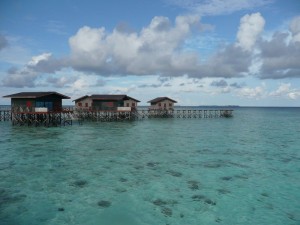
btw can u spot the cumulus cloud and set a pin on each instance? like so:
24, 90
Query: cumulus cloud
220, 83
61, 81
3, 42
280, 55
19, 78
229, 62
252, 93
45, 63
217, 7
286, 90
26, 76
295, 29
157, 49
153, 50
250, 28
237, 85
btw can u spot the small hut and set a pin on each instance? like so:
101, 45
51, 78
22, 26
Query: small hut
106, 102
162, 103
36, 101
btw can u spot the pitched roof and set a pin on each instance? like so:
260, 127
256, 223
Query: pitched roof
108, 97
160, 99
35, 95
83, 97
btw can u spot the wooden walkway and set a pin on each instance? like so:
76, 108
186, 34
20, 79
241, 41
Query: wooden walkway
64, 118
185, 114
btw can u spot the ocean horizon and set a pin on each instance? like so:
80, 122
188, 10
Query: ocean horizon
240, 170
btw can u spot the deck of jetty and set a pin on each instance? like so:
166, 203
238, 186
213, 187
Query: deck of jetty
66, 117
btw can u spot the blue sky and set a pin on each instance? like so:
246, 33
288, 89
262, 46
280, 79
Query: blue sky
198, 52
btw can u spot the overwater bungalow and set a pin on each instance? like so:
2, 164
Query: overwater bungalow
36, 101
106, 103
162, 103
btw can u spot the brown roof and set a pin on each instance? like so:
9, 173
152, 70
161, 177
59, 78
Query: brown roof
108, 97
160, 99
35, 95
83, 97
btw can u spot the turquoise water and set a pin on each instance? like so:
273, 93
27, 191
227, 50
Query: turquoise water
240, 170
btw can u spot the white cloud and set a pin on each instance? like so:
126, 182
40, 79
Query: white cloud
252, 93
250, 28
36, 59
286, 90
3, 42
295, 29
157, 49
218, 7
33, 70
280, 53
153, 50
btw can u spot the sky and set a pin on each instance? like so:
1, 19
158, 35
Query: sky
197, 52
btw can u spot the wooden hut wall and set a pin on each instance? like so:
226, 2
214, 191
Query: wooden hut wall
84, 103
22, 104
165, 104
52, 102
130, 103
107, 104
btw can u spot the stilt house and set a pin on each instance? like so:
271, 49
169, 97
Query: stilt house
106, 103
162, 103
36, 101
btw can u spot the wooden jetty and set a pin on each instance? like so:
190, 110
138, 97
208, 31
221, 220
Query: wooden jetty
66, 117
185, 114
42, 118
5, 115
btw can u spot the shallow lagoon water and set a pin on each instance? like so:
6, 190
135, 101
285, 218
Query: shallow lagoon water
241, 170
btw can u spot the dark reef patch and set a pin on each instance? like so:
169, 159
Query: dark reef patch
193, 185
104, 204
79, 183
122, 179
218, 220
227, 178
120, 190
174, 173
159, 202
198, 197
204, 199
152, 164
61, 209
166, 211
243, 177
265, 194
210, 202
138, 167
212, 165
223, 191
7, 197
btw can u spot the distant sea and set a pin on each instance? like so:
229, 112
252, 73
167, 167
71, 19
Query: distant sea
240, 170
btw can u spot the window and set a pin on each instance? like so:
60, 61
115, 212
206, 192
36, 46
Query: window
133, 104
159, 104
48, 105
79, 104
170, 104
127, 104
165, 105
86, 104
